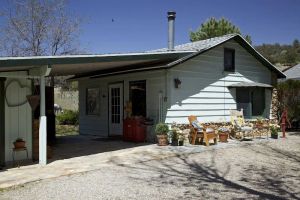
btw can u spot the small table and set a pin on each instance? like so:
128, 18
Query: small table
15, 150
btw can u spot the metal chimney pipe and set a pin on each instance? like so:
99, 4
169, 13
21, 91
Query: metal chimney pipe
171, 29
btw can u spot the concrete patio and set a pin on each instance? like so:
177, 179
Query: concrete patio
83, 154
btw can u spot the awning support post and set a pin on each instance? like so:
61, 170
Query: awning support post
43, 125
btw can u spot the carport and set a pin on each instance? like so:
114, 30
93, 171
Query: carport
40, 67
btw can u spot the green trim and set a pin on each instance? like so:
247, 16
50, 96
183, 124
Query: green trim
2, 122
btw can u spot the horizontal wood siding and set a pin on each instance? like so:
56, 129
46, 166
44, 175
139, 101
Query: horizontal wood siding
98, 125
18, 120
203, 91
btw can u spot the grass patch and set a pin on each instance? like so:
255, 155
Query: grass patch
65, 130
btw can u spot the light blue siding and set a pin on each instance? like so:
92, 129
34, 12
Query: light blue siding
98, 125
203, 91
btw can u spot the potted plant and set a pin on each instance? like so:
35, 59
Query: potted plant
174, 138
223, 133
161, 131
259, 122
274, 130
19, 143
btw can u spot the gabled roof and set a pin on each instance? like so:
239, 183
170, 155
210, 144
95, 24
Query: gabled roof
205, 45
293, 72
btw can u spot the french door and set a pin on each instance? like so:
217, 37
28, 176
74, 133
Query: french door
116, 109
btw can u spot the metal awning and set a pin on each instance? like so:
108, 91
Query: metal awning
250, 84
83, 64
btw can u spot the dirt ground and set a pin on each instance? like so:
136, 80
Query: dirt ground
252, 170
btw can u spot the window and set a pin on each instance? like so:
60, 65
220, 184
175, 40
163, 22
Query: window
251, 100
243, 101
137, 95
258, 102
229, 59
92, 101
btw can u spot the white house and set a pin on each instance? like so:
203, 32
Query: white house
205, 78
217, 75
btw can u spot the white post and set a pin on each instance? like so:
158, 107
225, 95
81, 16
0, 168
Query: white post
43, 125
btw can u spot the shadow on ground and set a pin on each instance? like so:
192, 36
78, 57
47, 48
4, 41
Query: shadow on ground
79, 145
255, 172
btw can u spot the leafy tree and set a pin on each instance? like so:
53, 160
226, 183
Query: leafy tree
214, 28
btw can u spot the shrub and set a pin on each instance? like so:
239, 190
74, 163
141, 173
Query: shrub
68, 117
289, 98
161, 129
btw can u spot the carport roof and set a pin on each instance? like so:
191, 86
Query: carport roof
86, 64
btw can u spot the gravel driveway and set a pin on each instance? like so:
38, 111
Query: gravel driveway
254, 171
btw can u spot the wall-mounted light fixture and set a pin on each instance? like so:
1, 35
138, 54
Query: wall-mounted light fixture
177, 82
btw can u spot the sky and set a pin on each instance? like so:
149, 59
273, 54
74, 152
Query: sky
114, 26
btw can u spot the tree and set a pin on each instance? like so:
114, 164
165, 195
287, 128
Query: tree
38, 27
214, 28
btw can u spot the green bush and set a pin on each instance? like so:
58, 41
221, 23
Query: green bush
161, 129
289, 98
68, 117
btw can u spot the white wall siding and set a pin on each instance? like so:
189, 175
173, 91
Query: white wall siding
98, 125
203, 91
18, 120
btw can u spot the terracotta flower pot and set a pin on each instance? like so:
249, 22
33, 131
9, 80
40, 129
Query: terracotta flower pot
19, 144
162, 140
223, 137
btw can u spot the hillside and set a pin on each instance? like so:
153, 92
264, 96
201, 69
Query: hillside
281, 55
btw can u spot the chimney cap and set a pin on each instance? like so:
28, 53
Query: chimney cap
171, 14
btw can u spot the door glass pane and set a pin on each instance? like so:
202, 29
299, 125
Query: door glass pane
115, 105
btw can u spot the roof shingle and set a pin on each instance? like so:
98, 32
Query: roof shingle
199, 45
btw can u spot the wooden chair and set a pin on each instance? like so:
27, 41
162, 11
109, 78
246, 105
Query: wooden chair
205, 134
239, 124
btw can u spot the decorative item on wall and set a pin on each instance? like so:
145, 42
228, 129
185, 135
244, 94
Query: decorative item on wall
15, 102
33, 100
177, 82
92, 101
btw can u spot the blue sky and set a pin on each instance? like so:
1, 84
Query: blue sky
142, 24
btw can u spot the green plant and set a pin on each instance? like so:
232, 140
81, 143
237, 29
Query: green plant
68, 117
259, 119
161, 129
274, 128
289, 99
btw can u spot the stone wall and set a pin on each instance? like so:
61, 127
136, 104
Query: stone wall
274, 105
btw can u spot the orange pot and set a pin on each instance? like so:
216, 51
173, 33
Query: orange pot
19, 144
162, 140
223, 137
